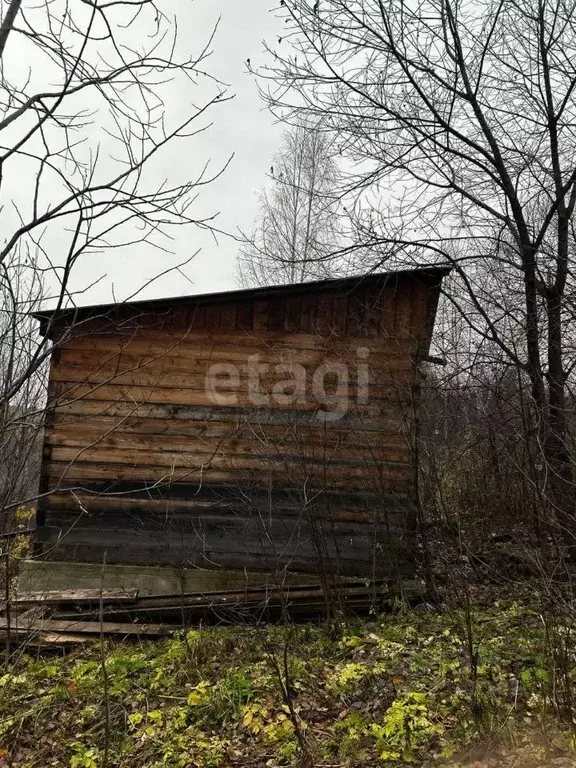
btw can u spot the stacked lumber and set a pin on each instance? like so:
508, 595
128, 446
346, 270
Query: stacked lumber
29, 617
73, 617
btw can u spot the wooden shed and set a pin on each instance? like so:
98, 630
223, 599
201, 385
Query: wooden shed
258, 429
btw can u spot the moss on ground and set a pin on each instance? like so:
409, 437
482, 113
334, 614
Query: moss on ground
409, 688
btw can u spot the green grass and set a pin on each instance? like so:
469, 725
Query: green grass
399, 690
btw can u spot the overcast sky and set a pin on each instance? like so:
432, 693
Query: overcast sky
242, 127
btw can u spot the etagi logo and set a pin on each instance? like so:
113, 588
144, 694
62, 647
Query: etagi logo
334, 385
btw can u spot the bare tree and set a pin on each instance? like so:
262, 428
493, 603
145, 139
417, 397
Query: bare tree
21, 414
459, 118
84, 131
88, 119
297, 230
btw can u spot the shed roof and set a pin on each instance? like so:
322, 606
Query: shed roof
433, 275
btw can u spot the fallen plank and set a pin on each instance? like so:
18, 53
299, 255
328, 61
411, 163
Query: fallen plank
343, 583
255, 594
78, 596
212, 601
89, 627
40, 639
201, 605
347, 592
379, 587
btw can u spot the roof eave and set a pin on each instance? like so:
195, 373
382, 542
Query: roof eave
78, 314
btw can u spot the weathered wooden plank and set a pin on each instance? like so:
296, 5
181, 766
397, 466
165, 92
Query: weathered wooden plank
226, 495
272, 353
357, 315
123, 363
64, 509
241, 439
390, 433
228, 318
358, 556
404, 313
344, 587
212, 317
303, 466
276, 320
75, 472
38, 639
388, 320
233, 448
77, 596
392, 565
261, 313
215, 377
91, 627
61, 509
419, 314
339, 324
195, 321
308, 313
386, 396
324, 315
242, 471
361, 417
242, 525
275, 542
197, 604
245, 316
292, 313
62, 392
210, 343
374, 303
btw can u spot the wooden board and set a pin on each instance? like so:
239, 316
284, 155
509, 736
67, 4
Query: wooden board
70, 467
114, 363
370, 417
390, 432
221, 380
80, 596
39, 639
88, 627
65, 509
219, 393
233, 447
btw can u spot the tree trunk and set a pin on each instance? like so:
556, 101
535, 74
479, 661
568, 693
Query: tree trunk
533, 336
556, 448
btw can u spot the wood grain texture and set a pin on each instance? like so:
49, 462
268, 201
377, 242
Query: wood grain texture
74, 472
172, 456
241, 440
388, 433
299, 545
378, 379
369, 417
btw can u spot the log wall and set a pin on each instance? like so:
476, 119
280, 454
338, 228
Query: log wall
159, 447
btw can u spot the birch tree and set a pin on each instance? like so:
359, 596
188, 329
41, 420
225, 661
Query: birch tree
296, 234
